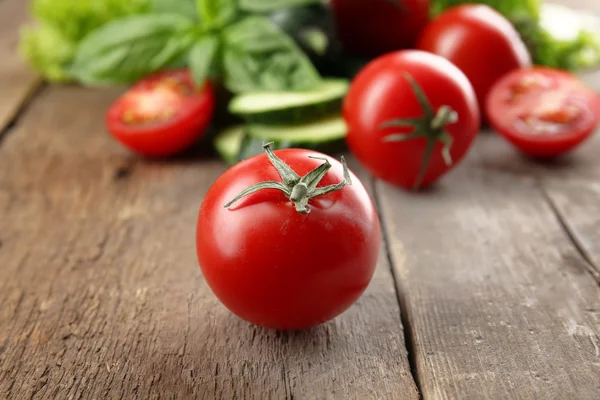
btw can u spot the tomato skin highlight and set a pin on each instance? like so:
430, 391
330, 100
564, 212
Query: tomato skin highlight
275, 267
154, 119
373, 27
478, 40
381, 92
543, 112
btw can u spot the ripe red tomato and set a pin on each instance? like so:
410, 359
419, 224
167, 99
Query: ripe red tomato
544, 112
479, 41
288, 264
162, 114
411, 116
373, 27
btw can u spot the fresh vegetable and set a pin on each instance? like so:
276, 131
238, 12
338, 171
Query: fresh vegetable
371, 28
288, 240
289, 107
220, 41
239, 142
322, 131
567, 39
479, 41
543, 112
411, 116
51, 43
556, 36
512, 9
313, 28
229, 142
162, 115
127, 50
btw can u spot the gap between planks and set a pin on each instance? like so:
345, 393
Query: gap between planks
590, 265
409, 338
21, 109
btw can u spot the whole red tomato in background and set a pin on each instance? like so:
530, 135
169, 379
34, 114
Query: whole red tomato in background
382, 92
279, 268
544, 112
479, 41
163, 114
373, 27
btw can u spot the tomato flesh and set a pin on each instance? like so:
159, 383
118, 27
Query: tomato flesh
162, 115
271, 265
542, 111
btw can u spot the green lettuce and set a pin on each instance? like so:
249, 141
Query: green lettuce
50, 43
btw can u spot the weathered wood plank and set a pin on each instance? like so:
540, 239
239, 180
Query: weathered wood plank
17, 81
101, 295
577, 204
499, 301
571, 184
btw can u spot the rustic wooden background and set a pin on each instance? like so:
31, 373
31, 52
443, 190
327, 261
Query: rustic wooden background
487, 286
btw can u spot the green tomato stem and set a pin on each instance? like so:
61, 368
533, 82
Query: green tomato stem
299, 190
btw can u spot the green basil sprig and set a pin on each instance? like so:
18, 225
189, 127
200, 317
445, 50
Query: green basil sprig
228, 39
125, 50
259, 56
272, 5
186, 8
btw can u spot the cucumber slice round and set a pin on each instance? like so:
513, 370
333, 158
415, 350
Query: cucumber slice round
228, 143
291, 107
321, 131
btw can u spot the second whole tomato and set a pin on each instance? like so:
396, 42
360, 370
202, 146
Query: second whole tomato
478, 40
288, 240
411, 116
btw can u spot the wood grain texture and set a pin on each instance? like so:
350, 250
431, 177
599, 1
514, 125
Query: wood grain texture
499, 301
569, 182
101, 295
17, 81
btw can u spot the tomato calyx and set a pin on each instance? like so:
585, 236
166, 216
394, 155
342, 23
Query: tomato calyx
431, 126
299, 190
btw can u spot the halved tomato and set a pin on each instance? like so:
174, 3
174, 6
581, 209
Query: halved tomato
162, 114
544, 112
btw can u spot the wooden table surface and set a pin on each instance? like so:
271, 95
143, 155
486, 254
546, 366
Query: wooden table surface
487, 286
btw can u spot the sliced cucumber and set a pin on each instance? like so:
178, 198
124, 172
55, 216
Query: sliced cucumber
321, 131
229, 143
291, 107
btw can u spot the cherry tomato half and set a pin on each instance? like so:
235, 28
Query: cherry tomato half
478, 40
275, 266
405, 137
544, 112
373, 27
162, 114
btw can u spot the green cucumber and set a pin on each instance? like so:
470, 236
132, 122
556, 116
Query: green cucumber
291, 107
229, 142
322, 131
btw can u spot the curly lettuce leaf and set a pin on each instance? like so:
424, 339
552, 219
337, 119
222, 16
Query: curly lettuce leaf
512, 9
47, 50
50, 44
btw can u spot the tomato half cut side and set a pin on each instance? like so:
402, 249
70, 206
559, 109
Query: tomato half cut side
544, 112
162, 115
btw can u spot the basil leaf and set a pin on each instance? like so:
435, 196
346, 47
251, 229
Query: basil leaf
125, 50
215, 14
186, 8
262, 6
202, 58
257, 55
